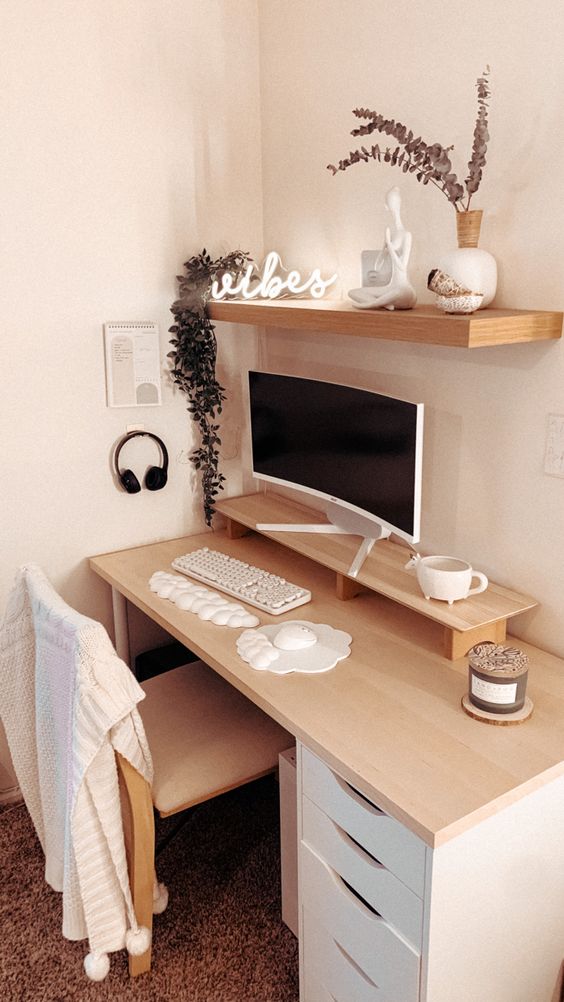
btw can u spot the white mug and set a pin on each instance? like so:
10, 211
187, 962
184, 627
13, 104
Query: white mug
446, 578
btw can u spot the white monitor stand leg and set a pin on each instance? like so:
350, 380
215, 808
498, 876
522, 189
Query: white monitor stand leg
329, 528
362, 553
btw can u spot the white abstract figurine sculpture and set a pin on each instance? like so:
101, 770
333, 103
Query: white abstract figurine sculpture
389, 285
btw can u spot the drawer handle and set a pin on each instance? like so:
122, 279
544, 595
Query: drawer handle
358, 849
353, 963
358, 798
349, 892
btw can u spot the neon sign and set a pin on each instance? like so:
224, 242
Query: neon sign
272, 282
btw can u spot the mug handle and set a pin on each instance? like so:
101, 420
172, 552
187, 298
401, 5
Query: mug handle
481, 587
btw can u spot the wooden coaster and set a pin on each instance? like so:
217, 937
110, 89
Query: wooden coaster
501, 719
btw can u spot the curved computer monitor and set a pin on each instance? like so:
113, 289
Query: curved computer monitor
360, 451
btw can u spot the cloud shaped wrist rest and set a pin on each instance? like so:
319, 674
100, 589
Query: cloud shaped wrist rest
259, 648
196, 598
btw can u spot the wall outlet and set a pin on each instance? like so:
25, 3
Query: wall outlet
554, 455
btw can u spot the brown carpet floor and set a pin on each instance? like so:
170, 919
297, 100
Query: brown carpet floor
220, 940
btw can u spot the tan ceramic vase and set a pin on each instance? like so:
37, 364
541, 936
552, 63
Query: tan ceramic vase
468, 227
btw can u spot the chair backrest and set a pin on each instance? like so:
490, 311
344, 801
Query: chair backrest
68, 704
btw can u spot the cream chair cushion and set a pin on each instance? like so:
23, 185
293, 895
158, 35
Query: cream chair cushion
205, 737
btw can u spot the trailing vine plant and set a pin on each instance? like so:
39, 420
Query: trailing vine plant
429, 162
193, 361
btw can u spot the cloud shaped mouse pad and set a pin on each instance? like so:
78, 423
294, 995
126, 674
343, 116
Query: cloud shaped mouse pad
294, 646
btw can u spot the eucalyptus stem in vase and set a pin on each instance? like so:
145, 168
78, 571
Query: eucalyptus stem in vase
431, 164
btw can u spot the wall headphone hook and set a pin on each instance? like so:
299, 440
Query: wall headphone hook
155, 477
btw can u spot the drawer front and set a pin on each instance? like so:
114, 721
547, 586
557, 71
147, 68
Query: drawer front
383, 956
314, 991
331, 971
388, 841
380, 888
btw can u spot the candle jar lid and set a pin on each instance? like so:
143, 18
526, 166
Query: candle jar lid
497, 660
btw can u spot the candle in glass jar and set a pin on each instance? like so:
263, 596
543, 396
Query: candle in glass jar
497, 677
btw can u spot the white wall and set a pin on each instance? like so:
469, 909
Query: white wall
485, 495
130, 140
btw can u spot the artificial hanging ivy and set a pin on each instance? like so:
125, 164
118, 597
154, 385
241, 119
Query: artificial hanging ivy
193, 361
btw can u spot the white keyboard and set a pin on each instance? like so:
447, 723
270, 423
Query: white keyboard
249, 584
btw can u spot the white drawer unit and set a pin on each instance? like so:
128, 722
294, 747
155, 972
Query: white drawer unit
377, 885
289, 838
331, 973
388, 841
383, 956
386, 918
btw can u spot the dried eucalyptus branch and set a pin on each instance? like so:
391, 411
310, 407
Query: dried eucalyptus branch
193, 361
481, 137
429, 162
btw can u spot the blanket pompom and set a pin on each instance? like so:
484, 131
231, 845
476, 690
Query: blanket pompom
96, 966
137, 941
160, 898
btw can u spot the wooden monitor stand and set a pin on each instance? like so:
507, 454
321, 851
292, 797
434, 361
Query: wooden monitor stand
481, 617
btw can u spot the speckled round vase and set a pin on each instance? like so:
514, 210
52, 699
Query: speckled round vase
470, 266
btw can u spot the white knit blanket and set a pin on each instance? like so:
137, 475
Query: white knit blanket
68, 703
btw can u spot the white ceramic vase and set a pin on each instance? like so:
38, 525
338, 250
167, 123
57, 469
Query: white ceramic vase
469, 265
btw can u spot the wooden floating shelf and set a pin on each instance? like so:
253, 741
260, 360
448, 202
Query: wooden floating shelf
423, 325
481, 617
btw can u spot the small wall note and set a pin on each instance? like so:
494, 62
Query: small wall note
133, 373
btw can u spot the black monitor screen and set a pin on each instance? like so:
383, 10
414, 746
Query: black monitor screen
352, 445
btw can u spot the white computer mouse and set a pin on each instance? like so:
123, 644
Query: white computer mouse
294, 637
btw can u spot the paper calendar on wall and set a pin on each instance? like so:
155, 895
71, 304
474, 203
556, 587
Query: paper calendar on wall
133, 373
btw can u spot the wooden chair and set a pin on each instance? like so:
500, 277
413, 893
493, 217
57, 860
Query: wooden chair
205, 738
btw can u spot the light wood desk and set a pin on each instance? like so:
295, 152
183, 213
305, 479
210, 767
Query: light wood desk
476, 813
